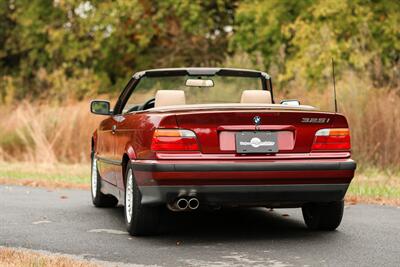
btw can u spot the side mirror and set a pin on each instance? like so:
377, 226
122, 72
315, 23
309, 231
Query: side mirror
100, 107
290, 102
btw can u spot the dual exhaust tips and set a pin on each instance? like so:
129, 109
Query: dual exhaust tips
182, 204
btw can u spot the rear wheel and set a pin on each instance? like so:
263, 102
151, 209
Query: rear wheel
323, 216
98, 198
140, 219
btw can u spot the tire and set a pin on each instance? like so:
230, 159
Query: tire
140, 220
98, 198
323, 216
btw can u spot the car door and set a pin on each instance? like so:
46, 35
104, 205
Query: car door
122, 139
106, 150
120, 134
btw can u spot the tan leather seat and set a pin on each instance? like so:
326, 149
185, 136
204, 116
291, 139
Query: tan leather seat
169, 98
256, 97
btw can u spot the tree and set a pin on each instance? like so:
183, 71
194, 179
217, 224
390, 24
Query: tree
47, 45
301, 37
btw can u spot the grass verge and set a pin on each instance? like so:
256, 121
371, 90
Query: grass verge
375, 186
369, 186
45, 175
22, 257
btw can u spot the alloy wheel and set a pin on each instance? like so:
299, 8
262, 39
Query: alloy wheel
129, 196
94, 177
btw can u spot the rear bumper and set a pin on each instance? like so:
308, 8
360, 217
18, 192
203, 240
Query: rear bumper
199, 172
246, 195
243, 167
241, 182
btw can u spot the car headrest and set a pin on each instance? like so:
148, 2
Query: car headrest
256, 96
169, 98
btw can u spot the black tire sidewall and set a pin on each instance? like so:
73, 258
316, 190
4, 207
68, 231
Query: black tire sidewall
323, 216
101, 200
144, 219
96, 200
311, 215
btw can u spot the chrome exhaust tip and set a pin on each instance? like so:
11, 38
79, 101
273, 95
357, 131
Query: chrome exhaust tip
193, 203
182, 204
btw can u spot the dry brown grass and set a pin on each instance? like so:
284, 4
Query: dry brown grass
373, 115
52, 134
16, 257
47, 134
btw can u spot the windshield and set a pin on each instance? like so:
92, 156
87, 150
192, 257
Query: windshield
212, 90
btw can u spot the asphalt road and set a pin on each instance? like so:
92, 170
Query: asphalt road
64, 221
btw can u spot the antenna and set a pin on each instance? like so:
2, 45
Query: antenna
334, 84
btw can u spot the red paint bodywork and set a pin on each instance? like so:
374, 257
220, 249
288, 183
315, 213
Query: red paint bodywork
215, 134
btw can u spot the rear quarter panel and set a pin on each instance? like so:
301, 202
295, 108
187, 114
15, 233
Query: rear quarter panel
134, 135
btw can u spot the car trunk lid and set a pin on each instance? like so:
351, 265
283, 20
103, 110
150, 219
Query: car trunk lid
216, 130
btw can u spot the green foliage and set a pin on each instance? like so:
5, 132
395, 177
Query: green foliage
259, 30
301, 37
101, 43
62, 49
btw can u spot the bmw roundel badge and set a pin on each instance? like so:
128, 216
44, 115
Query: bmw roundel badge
257, 120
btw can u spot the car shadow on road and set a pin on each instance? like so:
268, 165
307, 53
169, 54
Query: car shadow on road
230, 225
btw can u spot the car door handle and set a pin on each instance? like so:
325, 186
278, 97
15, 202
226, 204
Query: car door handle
113, 129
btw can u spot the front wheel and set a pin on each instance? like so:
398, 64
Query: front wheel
140, 219
323, 216
98, 198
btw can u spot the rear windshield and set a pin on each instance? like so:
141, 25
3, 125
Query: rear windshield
216, 89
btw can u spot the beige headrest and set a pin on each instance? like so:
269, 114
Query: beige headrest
256, 96
169, 98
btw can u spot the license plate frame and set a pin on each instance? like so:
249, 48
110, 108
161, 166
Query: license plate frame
253, 142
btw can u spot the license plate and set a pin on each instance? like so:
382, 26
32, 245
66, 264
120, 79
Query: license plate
256, 142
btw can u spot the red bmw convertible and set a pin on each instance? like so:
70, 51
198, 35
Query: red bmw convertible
191, 138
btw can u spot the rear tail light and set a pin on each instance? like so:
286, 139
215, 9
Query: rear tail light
174, 140
332, 139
